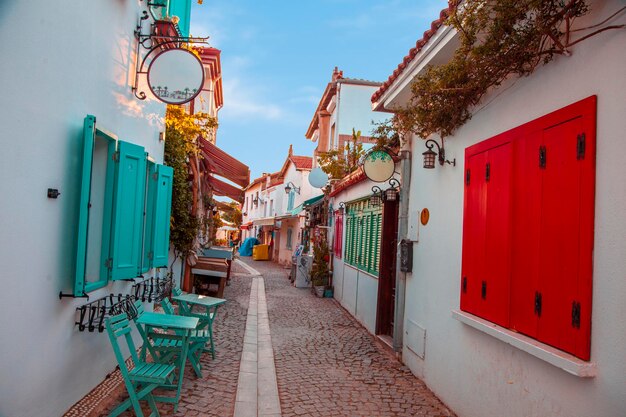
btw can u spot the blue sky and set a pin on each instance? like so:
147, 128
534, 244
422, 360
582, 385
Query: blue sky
278, 56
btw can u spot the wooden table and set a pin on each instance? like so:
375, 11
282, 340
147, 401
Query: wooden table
184, 324
209, 304
212, 271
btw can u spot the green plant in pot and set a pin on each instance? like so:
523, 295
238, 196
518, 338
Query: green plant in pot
319, 270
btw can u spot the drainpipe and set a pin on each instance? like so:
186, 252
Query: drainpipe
403, 228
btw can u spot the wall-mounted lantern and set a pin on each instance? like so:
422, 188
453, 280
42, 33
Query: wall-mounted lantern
342, 207
255, 201
429, 155
391, 194
376, 199
291, 186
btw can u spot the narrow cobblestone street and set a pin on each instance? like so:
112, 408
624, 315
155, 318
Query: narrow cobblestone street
327, 364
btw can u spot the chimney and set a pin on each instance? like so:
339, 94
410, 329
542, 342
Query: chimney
290, 149
337, 74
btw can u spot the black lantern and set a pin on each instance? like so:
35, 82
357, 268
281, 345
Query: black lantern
429, 155
376, 199
341, 208
391, 194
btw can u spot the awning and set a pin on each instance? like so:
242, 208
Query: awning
306, 203
266, 221
219, 162
246, 226
221, 188
223, 206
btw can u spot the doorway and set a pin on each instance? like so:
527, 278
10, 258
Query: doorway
387, 271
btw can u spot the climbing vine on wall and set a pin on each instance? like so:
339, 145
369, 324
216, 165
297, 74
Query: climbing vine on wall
181, 149
498, 39
338, 163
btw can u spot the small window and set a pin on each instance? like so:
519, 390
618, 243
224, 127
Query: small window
289, 238
363, 235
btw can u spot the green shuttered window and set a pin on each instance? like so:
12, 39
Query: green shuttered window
124, 211
363, 234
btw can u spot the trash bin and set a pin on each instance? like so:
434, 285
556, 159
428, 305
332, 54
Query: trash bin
261, 253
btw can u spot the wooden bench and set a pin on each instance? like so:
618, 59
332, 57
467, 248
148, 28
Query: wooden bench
212, 271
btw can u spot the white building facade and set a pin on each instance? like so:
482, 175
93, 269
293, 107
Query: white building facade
474, 363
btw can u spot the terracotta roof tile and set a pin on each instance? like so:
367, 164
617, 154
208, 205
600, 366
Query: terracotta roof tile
434, 27
302, 162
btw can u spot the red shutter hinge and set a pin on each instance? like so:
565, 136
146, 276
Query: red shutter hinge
483, 290
487, 171
580, 146
464, 284
576, 314
467, 177
538, 303
542, 156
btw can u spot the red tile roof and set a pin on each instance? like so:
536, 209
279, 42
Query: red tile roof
434, 27
348, 181
302, 162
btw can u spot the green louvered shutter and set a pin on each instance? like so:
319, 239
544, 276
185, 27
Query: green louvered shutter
376, 240
89, 130
162, 213
127, 213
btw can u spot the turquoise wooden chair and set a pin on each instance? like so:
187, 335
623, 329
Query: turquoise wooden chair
206, 321
162, 347
143, 378
198, 340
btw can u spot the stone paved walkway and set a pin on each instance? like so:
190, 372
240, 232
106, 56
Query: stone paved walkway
326, 363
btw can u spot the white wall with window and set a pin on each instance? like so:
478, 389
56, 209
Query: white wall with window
50, 364
355, 272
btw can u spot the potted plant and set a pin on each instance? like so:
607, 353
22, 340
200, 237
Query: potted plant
319, 270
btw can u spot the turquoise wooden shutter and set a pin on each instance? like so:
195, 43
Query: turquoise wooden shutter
148, 225
182, 9
89, 130
290, 201
162, 213
127, 212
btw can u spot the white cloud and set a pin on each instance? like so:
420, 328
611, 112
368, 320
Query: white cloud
244, 100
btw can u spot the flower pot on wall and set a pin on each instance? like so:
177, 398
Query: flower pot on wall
319, 290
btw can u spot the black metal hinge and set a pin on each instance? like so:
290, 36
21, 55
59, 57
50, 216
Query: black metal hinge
580, 146
116, 156
487, 171
108, 263
538, 303
576, 314
542, 156
464, 284
483, 290
467, 177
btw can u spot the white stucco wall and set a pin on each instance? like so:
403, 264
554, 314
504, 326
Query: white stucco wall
472, 372
357, 291
61, 61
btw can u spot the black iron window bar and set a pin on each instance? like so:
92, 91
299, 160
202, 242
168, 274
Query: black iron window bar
154, 42
91, 316
153, 289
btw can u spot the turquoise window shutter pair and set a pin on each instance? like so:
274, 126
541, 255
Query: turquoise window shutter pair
127, 237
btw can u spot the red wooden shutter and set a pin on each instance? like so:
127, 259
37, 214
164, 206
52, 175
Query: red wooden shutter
338, 235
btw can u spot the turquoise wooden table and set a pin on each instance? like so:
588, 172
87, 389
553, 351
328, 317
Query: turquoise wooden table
184, 324
208, 304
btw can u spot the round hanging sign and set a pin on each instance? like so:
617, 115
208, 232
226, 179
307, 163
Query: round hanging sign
378, 166
318, 178
424, 216
176, 76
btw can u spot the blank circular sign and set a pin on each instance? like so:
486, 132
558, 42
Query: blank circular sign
378, 166
175, 76
318, 178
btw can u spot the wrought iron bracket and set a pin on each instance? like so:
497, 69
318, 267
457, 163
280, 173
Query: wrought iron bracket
441, 152
154, 43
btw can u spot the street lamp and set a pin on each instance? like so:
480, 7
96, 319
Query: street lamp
290, 185
429, 155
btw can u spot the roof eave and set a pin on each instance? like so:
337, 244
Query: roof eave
421, 61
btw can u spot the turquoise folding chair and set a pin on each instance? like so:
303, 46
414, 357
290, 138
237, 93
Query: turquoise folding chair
162, 347
198, 340
143, 378
206, 321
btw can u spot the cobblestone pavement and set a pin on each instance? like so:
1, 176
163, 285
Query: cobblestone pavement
212, 395
327, 364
